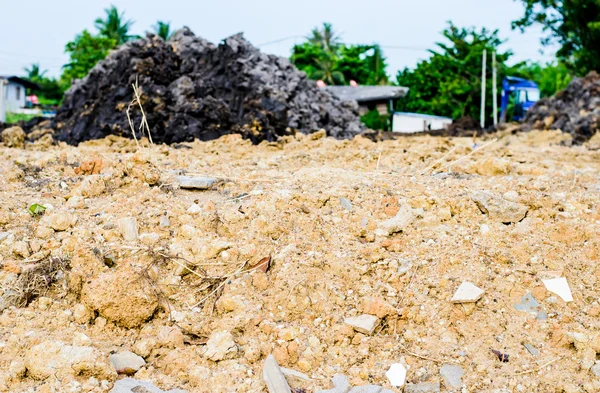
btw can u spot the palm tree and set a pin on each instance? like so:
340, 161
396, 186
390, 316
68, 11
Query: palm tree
34, 73
327, 38
114, 26
326, 70
163, 30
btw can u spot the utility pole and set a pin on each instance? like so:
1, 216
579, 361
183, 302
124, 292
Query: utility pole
483, 69
2, 107
495, 88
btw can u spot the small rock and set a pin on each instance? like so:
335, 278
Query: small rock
220, 346
467, 292
364, 323
379, 307
128, 228
366, 389
289, 373
452, 375
596, 370
405, 216
425, 387
149, 239
61, 221
530, 305
274, 378
345, 203
164, 222
4, 236
194, 209
531, 349
127, 362
404, 266
396, 375
560, 287
130, 385
195, 182
13, 137
340, 383
499, 208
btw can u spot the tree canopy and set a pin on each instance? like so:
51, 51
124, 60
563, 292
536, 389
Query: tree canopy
85, 51
114, 26
572, 24
163, 30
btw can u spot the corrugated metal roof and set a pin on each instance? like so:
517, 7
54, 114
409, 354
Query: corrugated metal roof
368, 93
24, 82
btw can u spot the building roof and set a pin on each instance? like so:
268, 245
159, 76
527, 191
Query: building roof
422, 116
368, 93
21, 81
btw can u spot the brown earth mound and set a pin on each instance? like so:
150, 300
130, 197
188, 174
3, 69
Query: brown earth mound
192, 89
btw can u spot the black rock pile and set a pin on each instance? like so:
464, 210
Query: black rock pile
192, 89
575, 110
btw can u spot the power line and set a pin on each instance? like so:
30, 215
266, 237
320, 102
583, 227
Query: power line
280, 40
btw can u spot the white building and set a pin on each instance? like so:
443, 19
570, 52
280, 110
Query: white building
416, 122
13, 96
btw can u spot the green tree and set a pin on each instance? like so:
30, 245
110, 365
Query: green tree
326, 38
34, 72
449, 82
85, 52
327, 71
50, 91
114, 26
573, 24
163, 30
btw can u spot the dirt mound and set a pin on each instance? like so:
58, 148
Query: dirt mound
575, 110
192, 89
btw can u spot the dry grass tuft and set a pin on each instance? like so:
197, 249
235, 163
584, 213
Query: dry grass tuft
35, 280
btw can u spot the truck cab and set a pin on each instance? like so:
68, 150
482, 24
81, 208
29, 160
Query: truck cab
525, 94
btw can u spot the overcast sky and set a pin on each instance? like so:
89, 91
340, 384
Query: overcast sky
37, 30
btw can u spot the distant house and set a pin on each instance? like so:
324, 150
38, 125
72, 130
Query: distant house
368, 98
15, 92
418, 122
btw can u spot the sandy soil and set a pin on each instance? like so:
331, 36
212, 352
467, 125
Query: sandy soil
164, 293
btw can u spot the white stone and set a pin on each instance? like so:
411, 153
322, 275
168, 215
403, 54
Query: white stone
452, 375
194, 209
195, 182
127, 362
128, 228
467, 292
559, 286
405, 216
130, 385
274, 378
220, 346
363, 323
397, 375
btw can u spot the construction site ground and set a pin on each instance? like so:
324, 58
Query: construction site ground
287, 244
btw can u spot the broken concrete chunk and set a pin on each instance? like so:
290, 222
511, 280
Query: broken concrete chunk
341, 383
345, 203
530, 305
467, 292
405, 216
363, 323
560, 287
127, 362
500, 209
425, 387
128, 228
274, 378
195, 182
220, 346
130, 385
366, 389
397, 375
452, 375
596, 370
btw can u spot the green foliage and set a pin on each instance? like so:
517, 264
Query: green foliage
573, 24
163, 30
85, 51
323, 56
114, 26
50, 91
449, 83
12, 118
551, 77
375, 121
36, 210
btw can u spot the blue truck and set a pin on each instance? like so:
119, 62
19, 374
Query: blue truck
525, 92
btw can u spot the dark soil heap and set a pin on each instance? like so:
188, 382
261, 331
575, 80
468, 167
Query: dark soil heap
192, 89
575, 110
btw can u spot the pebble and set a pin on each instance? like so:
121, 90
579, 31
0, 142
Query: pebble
164, 222
396, 375
467, 292
530, 305
61, 221
4, 236
130, 385
127, 362
195, 182
405, 216
340, 383
425, 387
404, 267
273, 377
452, 375
13, 137
531, 349
363, 324
194, 209
220, 346
596, 370
128, 228
345, 203
500, 209
366, 389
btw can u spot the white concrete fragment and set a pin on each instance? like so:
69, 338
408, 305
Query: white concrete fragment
559, 286
274, 378
288, 372
467, 292
405, 216
397, 375
128, 228
363, 323
127, 362
195, 182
